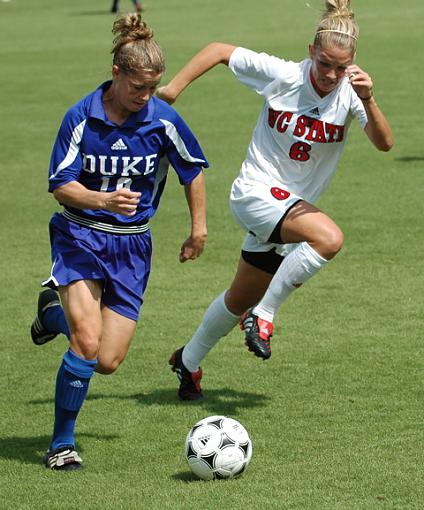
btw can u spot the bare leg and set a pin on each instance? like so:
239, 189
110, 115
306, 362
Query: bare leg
320, 240
82, 307
116, 339
247, 288
305, 222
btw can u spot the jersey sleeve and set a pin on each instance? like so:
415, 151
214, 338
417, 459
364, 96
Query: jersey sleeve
262, 72
66, 158
183, 150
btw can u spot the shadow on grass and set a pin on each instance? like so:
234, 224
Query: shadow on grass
30, 450
186, 476
189, 477
220, 401
410, 159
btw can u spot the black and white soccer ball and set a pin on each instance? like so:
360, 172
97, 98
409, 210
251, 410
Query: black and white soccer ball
218, 447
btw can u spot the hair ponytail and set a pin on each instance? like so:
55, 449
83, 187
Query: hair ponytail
337, 27
134, 48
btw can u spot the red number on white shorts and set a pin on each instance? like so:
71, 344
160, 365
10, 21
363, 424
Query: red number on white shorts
279, 193
299, 151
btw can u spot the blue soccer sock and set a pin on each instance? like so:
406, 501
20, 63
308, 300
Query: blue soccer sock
72, 383
54, 320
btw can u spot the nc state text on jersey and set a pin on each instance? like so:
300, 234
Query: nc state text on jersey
308, 128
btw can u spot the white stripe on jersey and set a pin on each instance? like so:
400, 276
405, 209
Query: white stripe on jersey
160, 176
172, 132
73, 148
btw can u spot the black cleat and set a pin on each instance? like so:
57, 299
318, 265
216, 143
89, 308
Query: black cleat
39, 334
189, 381
258, 333
63, 459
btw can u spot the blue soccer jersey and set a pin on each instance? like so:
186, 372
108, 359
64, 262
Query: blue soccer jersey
103, 156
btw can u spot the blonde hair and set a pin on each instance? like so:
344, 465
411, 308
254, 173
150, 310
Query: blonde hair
337, 27
134, 48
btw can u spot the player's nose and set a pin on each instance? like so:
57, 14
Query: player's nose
331, 74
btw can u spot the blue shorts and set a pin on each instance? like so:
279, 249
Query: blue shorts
121, 261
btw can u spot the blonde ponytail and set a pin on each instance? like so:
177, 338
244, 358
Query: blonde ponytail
337, 27
134, 48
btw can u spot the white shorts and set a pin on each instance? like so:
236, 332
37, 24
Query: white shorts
258, 207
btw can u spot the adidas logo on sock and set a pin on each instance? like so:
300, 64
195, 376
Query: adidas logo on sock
119, 145
76, 384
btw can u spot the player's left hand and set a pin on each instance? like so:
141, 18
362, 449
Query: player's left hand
192, 248
360, 81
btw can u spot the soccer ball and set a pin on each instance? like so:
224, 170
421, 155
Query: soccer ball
218, 447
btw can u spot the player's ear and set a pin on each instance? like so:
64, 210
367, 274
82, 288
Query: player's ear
115, 71
311, 51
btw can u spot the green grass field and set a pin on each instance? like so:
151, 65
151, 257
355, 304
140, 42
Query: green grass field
336, 416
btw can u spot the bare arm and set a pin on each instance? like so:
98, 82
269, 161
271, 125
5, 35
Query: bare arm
377, 129
74, 194
196, 200
210, 56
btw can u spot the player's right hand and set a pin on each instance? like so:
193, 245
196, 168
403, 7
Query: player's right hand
122, 201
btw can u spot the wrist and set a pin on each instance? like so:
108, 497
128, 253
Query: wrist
102, 200
199, 233
366, 98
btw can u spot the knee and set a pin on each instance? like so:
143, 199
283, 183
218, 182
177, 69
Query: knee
107, 366
335, 242
331, 243
86, 342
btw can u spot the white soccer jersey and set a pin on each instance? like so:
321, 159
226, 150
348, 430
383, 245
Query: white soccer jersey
299, 135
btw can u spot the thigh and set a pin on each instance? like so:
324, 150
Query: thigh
305, 222
247, 288
116, 339
81, 301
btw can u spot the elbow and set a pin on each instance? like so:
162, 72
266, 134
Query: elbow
386, 145
60, 194
221, 51
383, 143
57, 194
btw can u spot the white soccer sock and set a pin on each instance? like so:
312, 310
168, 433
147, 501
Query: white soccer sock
299, 265
217, 322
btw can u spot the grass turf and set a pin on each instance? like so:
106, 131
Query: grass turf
336, 414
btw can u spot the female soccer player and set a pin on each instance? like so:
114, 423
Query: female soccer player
293, 154
108, 169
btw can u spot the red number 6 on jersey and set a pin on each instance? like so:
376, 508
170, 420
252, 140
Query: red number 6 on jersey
279, 194
299, 151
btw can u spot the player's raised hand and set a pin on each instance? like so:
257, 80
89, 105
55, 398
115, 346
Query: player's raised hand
192, 248
360, 81
122, 201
